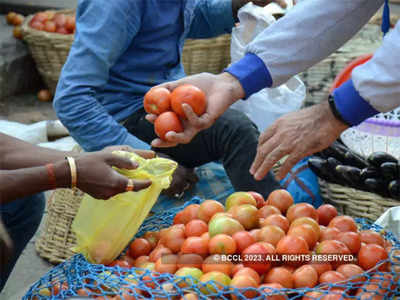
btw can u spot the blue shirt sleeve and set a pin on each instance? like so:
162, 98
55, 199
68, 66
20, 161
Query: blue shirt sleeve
104, 31
211, 18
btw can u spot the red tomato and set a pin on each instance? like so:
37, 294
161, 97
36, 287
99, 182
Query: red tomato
271, 234
336, 294
121, 263
321, 267
271, 290
246, 214
60, 20
306, 232
37, 25
213, 263
196, 228
18, 20
370, 254
279, 275
301, 210
331, 277
189, 296
236, 268
371, 237
152, 237
158, 252
141, 260
174, 238
50, 26
157, 100
244, 282
330, 233
222, 244
249, 272
189, 213
292, 245
166, 122
62, 30
308, 221
352, 270
333, 247
343, 223
277, 220
268, 210
351, 239
255, 250
326, 213
40, 17
70, 23
190, 260
167, 264
44, 95
195, 245
305, 276
255, 234
191, 95
10, 17
206, 237
208, 209
243, 239
259, 199
17, 32
280, 199
312, 295
139, 247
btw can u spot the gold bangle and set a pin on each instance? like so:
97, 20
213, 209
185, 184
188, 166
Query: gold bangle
72, 167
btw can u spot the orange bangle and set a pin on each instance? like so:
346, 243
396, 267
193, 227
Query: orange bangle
52, 176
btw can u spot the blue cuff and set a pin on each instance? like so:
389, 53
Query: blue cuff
252, 74
351, 106
135, 143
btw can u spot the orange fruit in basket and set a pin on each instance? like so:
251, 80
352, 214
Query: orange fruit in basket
196, 228
195, 245
277, 220
191, 95
343, 223
50, 26
190, 260
174, 238
167, 264
41, 17
370, 254
321, 267
371, 237
331, 277
208, 209
330, 233
306, 232
301, 210
280, 199
189, 213
60, 20
139, 247
352, 270
243, 239
249, 272
279, 275
259, 198
268, 210
241, 282
37, 25
272, 290
271, 234
222, 244
305, 276
326, 213
351, 239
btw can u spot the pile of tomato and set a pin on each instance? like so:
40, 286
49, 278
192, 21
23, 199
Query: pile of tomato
50, 21
252, 229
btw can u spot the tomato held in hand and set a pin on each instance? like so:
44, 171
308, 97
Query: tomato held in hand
167, 121
157, 100
191, 95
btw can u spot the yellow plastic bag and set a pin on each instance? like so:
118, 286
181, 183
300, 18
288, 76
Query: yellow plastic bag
104, 228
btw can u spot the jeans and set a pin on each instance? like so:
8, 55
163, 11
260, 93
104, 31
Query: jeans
21, 219
232, 139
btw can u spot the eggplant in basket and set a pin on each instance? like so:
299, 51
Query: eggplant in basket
370, 172
353, 159
390, 170
376, 185
378, 158
394, 189
352, 175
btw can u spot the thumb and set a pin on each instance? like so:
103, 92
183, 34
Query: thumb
120, 162
169, 85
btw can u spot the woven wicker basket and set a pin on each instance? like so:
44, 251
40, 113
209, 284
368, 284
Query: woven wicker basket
354, 202
49, 50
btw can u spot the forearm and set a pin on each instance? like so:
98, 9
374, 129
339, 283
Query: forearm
16, 154
28, 181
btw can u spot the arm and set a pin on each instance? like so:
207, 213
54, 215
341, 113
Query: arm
104, 31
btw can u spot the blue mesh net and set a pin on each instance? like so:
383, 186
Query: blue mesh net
77, 277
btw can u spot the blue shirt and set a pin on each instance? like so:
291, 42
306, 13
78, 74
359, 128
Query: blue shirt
121, 49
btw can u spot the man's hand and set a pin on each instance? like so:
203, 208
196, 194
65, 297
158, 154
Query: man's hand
97, 177
221, 91
297, 135
6, 245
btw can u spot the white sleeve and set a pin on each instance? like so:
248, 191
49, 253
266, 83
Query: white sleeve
378, 80
311, 31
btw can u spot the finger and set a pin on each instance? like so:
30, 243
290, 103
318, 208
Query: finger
151, 118
269, 161
145, 153
262, 151
169, 85
289, 163
180, 138
267, 134
191, 116
141, 184
158, 143
120, 162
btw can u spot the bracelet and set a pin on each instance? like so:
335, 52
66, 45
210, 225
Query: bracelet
52, 176
335, 112
72, 167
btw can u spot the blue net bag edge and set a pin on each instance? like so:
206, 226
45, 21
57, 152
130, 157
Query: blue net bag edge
157, 222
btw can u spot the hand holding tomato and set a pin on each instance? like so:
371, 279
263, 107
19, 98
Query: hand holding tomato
220, 90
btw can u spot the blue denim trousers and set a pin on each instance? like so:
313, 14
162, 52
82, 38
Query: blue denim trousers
21, 219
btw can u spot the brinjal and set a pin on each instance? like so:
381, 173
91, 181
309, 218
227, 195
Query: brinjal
335, 151
394, 189
378, 158
370, 172
389, 171
333, 162
355, 160
320, 167
352, 175
375, 185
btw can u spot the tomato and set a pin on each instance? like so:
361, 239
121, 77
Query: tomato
190, 260
60, 20
292, 245
321, 267
221, 214
331, 277
158, 252
222, 244
306, 232
343, 223
120, 263
249, 272
195, 273
280, 199
301, 210
236, 268
244, 282
167, 264
196, 228
44, 95
243, 239
352, 270
128, 259
259, 198
139, 247
206, 237
140, 260
18, 20
17, 32
152, 237
70, 23
326, 213
351, 239
50, 26
239, 198
308, 221
277, 220
10, 17
262, 249
246, 214
330, 233
279, 275
312, 295
371, 237
255, 233
214, 263
291, 269
40, 17
82, 292
268, 210
166, 122
333, 247
271, 234
224, 225
208, 209
157, 100
189, 213
271, 289
191, 95
62, 30
305, 276
190, 296
37, 25
336, 294
195, 245
220, 281
370, 254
